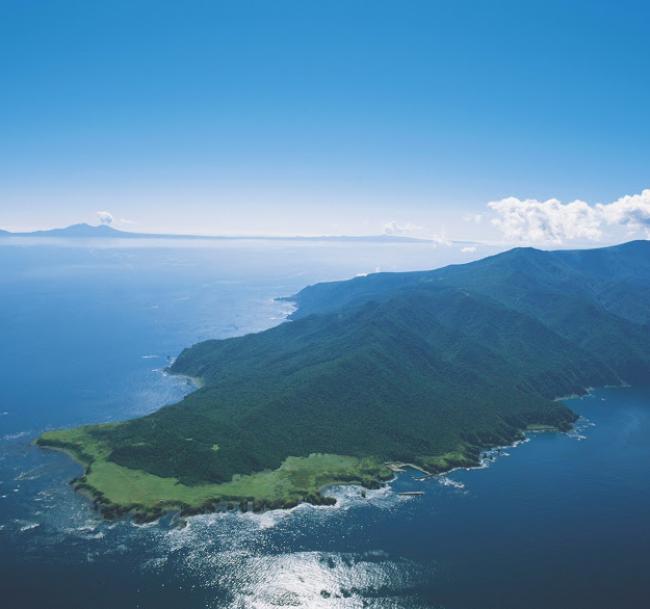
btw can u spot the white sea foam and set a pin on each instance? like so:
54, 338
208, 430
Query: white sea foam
97, 535
155, 564
491, 455
144, 525
29, 474
15, 436
349, 496
576, 435
88, 530
579, 429
43, 496
445, 481
266, 520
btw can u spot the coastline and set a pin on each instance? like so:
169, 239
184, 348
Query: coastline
385, 474
243, 492
197, 381
257, 492
220, 497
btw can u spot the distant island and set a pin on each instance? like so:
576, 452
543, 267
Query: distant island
423, 368
104, 231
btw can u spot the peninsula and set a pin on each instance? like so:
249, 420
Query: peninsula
428, 368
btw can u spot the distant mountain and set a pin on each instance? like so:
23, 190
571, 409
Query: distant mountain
74, 231
79, 230
88, 231
426, 368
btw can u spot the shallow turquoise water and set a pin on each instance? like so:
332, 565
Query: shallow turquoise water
559, 521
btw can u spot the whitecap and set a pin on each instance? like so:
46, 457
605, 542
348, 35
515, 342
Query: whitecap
98, 535
15, 436
87, 530
266, 520
144, 525
154, 564
28, 475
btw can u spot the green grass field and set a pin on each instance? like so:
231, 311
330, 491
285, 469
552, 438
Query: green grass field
297, 479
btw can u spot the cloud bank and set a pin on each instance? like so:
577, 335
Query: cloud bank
552, 221
632, 211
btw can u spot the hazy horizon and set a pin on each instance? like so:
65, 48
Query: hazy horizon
473, 249
523, 123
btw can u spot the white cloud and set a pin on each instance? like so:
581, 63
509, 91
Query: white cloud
546, 221
406, 229
105, 217
552, 221
632, 211
470, 249
473, 218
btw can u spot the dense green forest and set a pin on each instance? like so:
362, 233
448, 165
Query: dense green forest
427, 368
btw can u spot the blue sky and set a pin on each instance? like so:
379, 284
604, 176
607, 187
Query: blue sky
327, 117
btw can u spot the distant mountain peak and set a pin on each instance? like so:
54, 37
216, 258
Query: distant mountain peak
74, 230
83, 230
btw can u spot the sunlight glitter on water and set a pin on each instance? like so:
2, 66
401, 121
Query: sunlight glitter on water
315, 579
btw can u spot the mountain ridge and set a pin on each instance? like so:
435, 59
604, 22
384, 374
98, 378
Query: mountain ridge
428, 368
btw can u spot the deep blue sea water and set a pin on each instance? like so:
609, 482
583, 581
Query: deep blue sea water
86, 328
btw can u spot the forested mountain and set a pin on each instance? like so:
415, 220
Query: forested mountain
426, 367
598, 299
599, 274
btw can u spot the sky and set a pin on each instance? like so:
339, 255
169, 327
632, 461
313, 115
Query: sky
524, 122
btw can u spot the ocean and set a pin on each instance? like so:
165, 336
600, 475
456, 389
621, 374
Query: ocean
87, 328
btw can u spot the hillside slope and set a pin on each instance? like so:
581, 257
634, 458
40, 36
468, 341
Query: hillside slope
427, 368
598, 299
